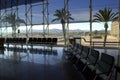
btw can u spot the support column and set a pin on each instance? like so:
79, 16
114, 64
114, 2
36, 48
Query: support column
45, 23
67, 22
118, 61
90, 23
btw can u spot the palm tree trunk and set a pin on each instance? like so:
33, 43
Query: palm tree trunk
64, 32
105, 37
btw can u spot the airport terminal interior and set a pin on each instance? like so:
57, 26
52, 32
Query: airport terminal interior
32, 48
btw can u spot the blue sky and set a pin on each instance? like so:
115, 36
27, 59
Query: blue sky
80, 11
78, 8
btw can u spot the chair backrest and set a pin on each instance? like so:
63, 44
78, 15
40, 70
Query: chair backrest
2, 40
35, 40
106, 63
54, 41
49, 40
39, 40
93, 57
79, 49
24, 40
8, 40
30, 40
85, 52
44, 40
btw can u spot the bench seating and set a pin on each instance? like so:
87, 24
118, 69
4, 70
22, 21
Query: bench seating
47, 41
88, 61
29, 41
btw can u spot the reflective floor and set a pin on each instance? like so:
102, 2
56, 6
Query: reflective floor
39, 63
35, 63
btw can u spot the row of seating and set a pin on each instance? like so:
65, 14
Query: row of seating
15, 40
42, 41
31, 40
90, 62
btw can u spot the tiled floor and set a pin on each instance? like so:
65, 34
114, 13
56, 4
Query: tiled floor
37, 63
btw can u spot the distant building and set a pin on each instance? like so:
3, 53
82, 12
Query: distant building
115, 28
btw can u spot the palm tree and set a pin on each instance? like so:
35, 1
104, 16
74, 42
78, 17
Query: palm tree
62, 15
11, 19
105, 16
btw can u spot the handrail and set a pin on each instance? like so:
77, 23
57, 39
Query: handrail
82, 38
97, 42
85, 39
101, 43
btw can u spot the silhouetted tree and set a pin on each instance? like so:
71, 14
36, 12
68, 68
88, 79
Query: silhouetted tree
62, 15
105, 16
14, 21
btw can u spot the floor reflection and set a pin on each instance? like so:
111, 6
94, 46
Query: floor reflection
36, 63
39, 55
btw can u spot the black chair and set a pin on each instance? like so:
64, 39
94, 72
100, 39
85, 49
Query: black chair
14, 40
49, 41
24, 40
39, 40
10, 40
35, 41
91, 60
7, 41
102, 70
44, 40
83, 54
77, 50
54, 41
19, 40
30, 40
2, 41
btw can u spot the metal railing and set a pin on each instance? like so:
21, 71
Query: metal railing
109, 44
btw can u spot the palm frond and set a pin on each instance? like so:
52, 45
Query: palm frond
18, 21
62, 14
105, 15
71, 18
98, 16
56, 19
11, 19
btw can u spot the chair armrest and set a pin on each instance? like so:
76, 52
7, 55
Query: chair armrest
100, 73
